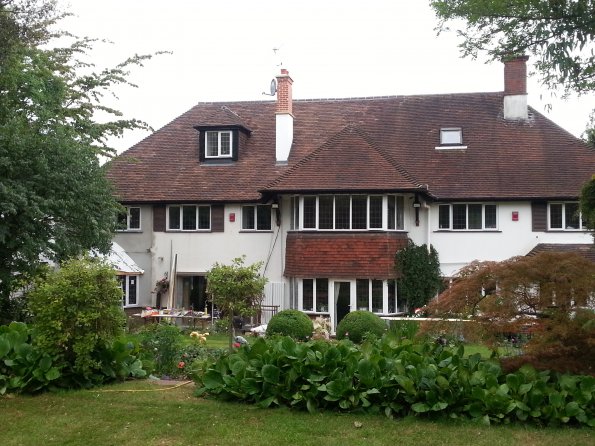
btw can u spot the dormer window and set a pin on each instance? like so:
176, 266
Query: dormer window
451, 136
219, 144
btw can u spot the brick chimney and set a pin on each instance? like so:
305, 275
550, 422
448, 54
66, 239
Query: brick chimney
515, 88
284, 116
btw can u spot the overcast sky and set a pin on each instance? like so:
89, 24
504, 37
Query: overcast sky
223, 51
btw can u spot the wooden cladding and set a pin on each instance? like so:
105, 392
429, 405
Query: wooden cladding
539, 216
159, 219
217, 218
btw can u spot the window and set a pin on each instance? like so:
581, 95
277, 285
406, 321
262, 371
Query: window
256, 218
565, 216
467, 217
348, 212
189, 218
218, 144
129, 285
452, 136
369, 295
129, 220
315, 295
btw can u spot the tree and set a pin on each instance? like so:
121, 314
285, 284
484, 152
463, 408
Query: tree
419, 270
560, 34
549, 295
588, 204
235, 289
55, 200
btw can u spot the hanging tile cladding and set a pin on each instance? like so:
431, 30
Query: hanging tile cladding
342, 255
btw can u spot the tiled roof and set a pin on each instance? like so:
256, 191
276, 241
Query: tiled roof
342, 255
585, 250
348, 161
385, 143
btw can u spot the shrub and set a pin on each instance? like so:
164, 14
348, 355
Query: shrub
163, 342
359, 324
78, 315
292, 323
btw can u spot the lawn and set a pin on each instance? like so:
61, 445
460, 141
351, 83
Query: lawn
145, 413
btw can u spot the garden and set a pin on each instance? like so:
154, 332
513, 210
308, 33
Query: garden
371, 373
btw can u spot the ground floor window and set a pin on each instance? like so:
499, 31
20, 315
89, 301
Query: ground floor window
129, 285
326, 295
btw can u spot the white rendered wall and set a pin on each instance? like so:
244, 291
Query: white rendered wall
512, 238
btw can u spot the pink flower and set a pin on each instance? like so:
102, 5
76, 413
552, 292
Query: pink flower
236, 344
181, 364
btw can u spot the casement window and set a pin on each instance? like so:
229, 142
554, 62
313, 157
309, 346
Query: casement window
348, 212
188, 218
218, 144
369, 295
565, 217
129, 220
256, 218
315, 295
129, 285
467, 217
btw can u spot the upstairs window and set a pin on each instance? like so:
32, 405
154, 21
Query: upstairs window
467, 217
218, 144
188, 218
565, 217
451, 136
348, 212
256, 218
129, 220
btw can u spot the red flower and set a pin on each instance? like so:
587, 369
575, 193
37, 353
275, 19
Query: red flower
181, 364
236, 344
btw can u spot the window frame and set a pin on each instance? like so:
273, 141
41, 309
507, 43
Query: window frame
128, 216
316, 283
197, 217
125, 280
581, 222
256, 209
444, 131
454, 208
219, 146
346, 211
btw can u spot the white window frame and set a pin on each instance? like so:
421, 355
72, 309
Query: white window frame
467, 229
219, 134
126, 292
456, 143
314, 295
129, 219
582, 226
197, 208
256, 208
298, 213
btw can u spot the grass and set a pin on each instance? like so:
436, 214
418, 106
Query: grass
127, 414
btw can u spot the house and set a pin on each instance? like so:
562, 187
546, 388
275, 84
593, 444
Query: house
325, 191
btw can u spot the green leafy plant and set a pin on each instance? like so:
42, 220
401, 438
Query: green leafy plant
292, 323
419, 274
23, 367
163, 343
397, 379
78, 314
357, 325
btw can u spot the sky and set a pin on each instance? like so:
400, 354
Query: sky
228, 50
